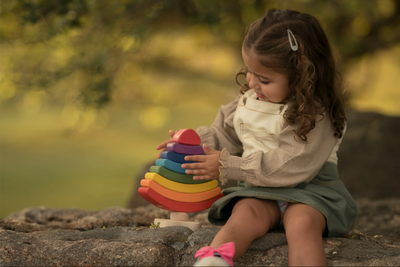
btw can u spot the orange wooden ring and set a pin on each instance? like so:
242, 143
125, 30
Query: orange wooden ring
178, 196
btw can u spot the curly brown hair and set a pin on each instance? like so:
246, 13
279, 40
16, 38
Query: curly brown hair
315, 84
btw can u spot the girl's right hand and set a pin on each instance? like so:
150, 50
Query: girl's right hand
163, 145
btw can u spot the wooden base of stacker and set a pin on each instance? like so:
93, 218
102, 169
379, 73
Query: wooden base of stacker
178, 219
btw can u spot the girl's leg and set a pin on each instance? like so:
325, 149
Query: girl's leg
251, 218
304, 226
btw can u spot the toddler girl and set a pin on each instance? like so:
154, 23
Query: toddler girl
279, 141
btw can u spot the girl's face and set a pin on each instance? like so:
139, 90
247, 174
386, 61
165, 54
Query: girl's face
269, 85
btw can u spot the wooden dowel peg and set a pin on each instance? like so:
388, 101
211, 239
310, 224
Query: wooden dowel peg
179, 216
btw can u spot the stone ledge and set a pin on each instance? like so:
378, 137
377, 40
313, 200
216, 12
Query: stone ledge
172, 246
111, 237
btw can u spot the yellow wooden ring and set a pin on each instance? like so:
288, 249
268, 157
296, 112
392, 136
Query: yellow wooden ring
184, 188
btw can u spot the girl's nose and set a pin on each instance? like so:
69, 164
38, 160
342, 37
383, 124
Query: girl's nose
252, 80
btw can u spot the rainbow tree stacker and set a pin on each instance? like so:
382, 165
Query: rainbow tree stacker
168, 187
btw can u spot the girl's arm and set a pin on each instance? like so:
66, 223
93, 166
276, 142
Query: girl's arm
222, 134
288, 165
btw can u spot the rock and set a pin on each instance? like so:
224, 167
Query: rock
369, 155
40, 218
114, 237
379, 217
120, 246
86, 223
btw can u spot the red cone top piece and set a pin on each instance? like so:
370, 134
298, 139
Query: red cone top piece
187, 137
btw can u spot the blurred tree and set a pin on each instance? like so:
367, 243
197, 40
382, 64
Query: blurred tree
72, 50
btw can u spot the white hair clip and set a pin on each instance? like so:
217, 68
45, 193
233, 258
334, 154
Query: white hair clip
294, 46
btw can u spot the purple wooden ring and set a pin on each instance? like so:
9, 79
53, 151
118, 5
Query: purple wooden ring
185, 149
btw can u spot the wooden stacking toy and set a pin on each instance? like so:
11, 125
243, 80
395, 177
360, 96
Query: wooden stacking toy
168, 187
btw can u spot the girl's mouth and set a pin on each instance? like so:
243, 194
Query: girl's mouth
260, 95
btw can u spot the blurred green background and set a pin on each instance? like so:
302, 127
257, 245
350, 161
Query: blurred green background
89, 88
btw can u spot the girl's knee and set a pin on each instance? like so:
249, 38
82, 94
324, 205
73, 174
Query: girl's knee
263, 214
305, 222
300, 223
256, 209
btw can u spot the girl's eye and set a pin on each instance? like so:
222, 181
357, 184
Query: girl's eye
264, 82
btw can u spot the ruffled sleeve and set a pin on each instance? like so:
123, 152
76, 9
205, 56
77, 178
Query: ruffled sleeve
221, 134
288, 165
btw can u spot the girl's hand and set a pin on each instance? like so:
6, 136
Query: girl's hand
163, 145
207, 166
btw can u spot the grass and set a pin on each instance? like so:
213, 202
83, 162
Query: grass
43, 164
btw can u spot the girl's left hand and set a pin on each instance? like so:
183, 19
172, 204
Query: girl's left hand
206, 167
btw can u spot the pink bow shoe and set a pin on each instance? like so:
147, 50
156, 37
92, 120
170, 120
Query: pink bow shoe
222, 256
